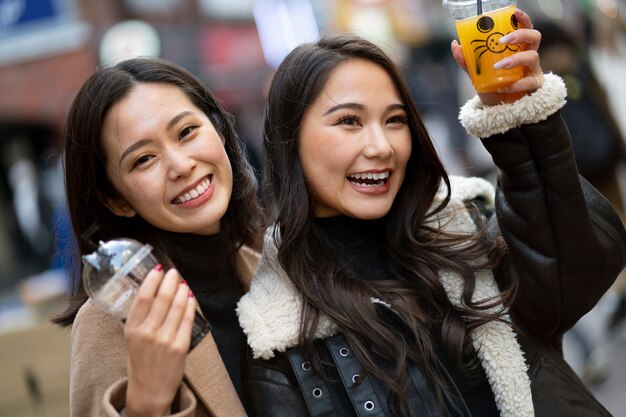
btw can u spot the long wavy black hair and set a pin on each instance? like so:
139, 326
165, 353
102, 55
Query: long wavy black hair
417, 251
85, 162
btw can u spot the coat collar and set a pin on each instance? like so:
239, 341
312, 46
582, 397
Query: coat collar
270, 313
204, 370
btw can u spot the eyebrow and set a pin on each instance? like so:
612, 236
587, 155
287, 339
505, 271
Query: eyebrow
133, 147
358, 106
177, 118
144, 142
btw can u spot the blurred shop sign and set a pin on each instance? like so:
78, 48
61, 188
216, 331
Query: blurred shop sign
39, 28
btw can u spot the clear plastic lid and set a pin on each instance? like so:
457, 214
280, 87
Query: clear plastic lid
113, 273
462, 9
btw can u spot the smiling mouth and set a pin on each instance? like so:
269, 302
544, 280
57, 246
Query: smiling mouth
369, 179
194, 193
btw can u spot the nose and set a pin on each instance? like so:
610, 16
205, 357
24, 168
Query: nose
181, 163
377, 144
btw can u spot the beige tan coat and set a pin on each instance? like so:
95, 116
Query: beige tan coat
98, 370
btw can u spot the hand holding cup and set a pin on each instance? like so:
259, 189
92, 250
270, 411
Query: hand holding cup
526, 61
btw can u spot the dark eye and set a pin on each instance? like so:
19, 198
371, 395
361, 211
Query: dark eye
350, 120
485, 24
399, 119
142, 160
514, 22
187, 131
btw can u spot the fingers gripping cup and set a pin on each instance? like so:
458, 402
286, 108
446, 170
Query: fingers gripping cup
113, 273
480, 24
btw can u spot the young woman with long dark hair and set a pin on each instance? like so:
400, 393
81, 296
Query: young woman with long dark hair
151, 155
388, 288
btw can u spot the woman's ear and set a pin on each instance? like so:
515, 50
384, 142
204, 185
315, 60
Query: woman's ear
118, 206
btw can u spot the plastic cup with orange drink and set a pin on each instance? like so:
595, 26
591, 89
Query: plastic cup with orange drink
480, 24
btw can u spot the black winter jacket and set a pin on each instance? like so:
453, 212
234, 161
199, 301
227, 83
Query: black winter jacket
565, 240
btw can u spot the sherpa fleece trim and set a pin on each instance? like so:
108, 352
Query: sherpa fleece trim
484, 121
270, 312
495, 342
466, 189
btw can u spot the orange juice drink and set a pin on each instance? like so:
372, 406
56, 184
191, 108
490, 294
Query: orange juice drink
480, 39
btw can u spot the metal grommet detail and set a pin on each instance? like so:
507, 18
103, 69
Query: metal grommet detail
355, 377
368, 405
306, 366
344, 351
317, 392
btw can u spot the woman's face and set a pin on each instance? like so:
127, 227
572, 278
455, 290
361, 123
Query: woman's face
167, 161
355, 143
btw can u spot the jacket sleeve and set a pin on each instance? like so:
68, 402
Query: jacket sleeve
565, 240
98, 374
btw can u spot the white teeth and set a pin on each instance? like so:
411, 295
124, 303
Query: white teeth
195, 193
376, 176
367, 185
370, 175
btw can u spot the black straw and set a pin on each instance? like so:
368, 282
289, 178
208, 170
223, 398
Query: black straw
479, 5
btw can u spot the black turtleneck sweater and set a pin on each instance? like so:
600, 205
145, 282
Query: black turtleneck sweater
358, 244
205, 262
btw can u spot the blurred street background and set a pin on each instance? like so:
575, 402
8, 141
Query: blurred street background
49, 47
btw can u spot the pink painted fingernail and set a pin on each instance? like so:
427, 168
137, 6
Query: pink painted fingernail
182, 281
190, 294
505, 63
505, 38
158, 267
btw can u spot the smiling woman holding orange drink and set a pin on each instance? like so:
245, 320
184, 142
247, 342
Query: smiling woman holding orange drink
388, 288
